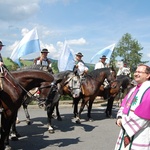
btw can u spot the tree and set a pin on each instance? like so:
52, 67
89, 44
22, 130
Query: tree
128, 50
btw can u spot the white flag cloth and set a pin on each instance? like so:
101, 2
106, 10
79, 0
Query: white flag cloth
107, 51
66, 60
29, 44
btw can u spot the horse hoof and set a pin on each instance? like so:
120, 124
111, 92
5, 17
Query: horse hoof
51, 131
14, 137
78, 121
7, 147
109, 116
59, 118
28, 122
90, 119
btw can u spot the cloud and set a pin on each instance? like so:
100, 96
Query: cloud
18, 10
80, 41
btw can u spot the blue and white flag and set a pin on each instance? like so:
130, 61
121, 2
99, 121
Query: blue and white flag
107, 51
29, 44
66, 60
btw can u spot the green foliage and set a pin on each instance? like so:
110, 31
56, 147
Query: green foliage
128, 49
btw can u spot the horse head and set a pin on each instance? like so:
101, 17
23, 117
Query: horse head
73, 85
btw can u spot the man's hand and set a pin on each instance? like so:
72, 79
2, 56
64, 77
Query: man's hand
119, 122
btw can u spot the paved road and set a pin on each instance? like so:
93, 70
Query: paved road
101, 134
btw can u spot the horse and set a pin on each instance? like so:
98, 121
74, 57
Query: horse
16, 84
71, 86
90, 86
119, 88
65, 83
29, 96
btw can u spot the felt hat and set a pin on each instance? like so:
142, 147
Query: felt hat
103, 57
44, 51
1, 44
79, 54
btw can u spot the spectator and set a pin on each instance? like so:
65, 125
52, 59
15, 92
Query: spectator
134, 114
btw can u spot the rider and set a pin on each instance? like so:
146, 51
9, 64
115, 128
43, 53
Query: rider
125, 70
80, 67
43, 61
1, 64
102, 64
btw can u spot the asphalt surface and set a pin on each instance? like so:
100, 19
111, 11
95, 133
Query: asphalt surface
101, 134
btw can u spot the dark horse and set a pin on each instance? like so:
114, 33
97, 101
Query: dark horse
119, 88
15, 87
65, 83
29, 96
90, 88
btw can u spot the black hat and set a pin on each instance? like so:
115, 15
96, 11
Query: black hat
44, 51
103, 57
1, 44
79, 54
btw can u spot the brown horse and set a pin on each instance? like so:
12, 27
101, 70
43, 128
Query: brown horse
118, 89
90, 88
15, 87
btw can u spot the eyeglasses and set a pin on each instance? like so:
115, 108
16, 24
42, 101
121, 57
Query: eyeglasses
140, 72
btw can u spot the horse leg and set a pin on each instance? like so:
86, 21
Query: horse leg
75, 103
5, 130
25, 105
109, 107
80, 111
50, 110
13, 132
89, 110
57, 112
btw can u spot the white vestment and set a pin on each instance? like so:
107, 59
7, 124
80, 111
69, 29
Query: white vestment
137, 128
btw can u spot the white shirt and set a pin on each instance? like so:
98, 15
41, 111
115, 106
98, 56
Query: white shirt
44, 63
99, 65
124, 71
81, 68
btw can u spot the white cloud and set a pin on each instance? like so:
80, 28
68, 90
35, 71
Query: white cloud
80, 41
17, 10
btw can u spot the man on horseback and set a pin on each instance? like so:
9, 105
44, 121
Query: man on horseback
102, 64
44, 61
124, 70
1, 64
80, 67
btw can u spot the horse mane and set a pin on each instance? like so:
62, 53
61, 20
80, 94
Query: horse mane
32, 67
95, 73
36, 67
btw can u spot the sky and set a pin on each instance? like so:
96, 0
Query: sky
87, 25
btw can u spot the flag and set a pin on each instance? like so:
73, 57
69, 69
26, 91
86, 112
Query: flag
66, 60
107, 51
29, 44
